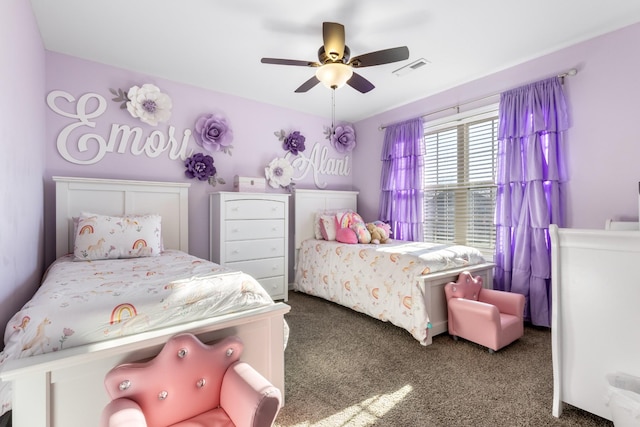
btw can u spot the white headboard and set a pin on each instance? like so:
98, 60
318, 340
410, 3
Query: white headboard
122, 197
308, 202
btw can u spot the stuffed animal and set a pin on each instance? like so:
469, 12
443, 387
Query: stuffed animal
353, 222
378, 234
386, 227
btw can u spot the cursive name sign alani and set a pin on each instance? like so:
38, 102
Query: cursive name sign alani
320, 163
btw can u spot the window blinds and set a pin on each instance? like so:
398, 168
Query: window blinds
459, 182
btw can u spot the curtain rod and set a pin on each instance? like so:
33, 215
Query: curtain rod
568, 73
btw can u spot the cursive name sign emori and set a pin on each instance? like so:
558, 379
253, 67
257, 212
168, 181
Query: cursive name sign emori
120, 136
320, 163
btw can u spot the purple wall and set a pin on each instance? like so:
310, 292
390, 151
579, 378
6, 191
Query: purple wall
603, 146
253, 125
22, 132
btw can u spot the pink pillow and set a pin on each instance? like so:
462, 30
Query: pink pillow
346, 235
317, 220
354, 221
347, 219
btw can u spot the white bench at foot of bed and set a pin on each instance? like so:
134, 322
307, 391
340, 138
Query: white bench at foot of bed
435, 298
66, 388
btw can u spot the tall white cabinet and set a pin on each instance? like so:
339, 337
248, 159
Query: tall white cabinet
250, 232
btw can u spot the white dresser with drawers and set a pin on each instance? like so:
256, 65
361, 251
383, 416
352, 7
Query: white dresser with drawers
250, 232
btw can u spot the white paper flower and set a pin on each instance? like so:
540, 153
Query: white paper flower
279, 173
149, 104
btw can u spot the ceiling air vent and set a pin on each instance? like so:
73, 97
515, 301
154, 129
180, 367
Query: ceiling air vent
411, 67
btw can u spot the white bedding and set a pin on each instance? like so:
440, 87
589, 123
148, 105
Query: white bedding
382, 281
81, 302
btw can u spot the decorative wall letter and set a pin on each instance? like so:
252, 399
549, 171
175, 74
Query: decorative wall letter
320, 163
119, 137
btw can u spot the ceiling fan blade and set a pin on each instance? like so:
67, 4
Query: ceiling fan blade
359, 83
333, 36
278, 61
380, 57
308, 84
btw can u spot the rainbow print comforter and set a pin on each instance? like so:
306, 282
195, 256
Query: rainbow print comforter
81, 302
381, 281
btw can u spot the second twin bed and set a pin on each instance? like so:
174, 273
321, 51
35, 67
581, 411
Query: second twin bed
399, 282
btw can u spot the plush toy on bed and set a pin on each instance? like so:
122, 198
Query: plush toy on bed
352, 229
379, 232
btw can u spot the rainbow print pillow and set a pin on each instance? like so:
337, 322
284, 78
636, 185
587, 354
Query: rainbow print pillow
108, 237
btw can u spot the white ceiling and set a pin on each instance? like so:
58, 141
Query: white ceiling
218, 44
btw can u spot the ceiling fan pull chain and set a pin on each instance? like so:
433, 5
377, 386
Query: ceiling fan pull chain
333, 110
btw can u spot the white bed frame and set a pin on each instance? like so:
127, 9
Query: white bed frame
611, 224
594, 316
65, 388
308, 202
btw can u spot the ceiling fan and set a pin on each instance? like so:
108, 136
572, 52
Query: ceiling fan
335, 65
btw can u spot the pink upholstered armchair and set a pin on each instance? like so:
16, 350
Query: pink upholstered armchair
190, 383
487, 317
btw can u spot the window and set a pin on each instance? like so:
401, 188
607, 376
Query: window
459, 179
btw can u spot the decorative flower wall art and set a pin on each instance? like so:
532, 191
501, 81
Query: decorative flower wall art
317, 161
200, 166
342, 138
146, 103
279, 173
293, 143
212, 133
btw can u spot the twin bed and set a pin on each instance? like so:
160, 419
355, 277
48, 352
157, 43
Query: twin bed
89, 316
399, 282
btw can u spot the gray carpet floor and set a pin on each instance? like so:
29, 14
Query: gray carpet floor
346, 369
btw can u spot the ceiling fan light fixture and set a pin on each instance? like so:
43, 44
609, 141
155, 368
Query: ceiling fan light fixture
334, 75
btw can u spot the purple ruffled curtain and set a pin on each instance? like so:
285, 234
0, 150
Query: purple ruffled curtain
401, 179
529, 192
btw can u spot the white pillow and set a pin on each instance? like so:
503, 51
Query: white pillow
328, 227
317, 231
108, 237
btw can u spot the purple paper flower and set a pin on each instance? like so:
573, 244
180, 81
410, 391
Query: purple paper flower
213, 133
343, 138
199, 166
294, 143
